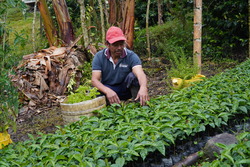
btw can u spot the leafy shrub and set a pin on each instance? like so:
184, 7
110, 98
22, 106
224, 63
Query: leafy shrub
225, 28
8, 102
9, 97
86, 69
86, 72
181, 65
165, 39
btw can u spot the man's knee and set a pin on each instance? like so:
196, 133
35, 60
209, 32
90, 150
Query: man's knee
134, 91
131, 79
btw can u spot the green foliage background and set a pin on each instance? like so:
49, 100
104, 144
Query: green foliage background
225, 31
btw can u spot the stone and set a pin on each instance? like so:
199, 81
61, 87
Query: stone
168, 162
210, 148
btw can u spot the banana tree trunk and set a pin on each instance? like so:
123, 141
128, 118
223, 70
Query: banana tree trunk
49, 27
64, 21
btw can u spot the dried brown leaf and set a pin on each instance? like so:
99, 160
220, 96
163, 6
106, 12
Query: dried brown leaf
59, 51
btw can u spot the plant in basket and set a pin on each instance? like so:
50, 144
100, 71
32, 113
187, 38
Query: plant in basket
82, 93
82, 102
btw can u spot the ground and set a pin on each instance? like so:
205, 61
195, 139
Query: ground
47, 119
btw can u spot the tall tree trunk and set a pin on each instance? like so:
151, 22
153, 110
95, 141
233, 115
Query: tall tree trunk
102, 20
94, 19
123, 18
197, 32
128, 14
106, 13
115, 12
160, 21
49, 28
64, 21
147, 31
83, 23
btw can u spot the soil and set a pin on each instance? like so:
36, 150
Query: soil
46, 119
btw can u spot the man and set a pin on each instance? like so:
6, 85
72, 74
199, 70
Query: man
117, 71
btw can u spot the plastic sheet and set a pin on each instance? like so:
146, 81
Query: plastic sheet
179, 83
4, 139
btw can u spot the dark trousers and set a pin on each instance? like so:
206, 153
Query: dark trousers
127, 89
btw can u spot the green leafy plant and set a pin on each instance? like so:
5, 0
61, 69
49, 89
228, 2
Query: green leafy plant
9, 97
165, 38
9, 103
181, 65
224, 29
83, 93
234, 154
86, 70
126, 132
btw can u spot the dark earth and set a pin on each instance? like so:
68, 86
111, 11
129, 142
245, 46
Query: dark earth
48, 118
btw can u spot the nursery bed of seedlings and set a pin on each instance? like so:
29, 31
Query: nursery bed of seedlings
193, 144
125, 133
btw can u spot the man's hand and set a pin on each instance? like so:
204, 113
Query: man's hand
143, 91
142, 96
112, 96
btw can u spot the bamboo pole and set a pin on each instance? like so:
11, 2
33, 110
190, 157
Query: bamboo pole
147, 31
33, 28
197, 33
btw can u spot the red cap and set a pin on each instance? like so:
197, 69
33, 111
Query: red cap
115, 34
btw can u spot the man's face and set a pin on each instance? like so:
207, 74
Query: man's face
116, 48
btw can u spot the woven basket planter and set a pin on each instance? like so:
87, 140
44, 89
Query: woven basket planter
73, 112
4, 139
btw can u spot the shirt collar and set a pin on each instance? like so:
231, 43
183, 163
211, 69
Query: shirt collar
108, 55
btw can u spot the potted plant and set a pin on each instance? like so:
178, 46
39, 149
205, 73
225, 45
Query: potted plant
82, 102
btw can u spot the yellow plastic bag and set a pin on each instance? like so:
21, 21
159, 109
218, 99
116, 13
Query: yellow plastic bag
179, 83
4, 139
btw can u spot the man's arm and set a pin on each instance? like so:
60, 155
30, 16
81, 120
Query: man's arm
110, 94
142, 78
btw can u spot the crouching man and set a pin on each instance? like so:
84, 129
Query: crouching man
117, 71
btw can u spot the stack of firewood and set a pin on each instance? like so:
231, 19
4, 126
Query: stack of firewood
42, 77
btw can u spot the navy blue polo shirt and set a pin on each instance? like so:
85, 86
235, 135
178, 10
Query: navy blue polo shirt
114, 74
